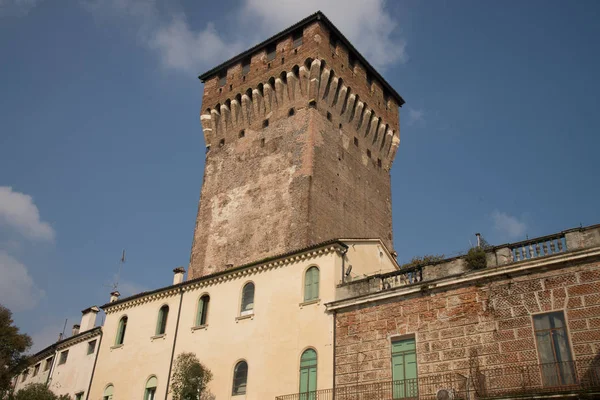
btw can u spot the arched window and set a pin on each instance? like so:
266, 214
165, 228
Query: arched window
247, 299
202, 310
240, 378
308, 374
121, 331
108, 393
311, 284
150, 392
161, 324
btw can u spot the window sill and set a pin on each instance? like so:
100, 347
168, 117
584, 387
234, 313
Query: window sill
241, 317
239, 396
117, 346
309, 302
199, 327
155, 337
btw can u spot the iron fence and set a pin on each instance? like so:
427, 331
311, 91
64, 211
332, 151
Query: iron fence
424, 388
582, 375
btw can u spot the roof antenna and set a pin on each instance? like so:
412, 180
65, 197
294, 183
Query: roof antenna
115, 284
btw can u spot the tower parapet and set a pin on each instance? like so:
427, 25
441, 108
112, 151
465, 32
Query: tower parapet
301, 133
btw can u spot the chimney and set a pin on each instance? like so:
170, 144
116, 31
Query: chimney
88, 318
178, 275
478, 239
60, 335
114, 296
75, 330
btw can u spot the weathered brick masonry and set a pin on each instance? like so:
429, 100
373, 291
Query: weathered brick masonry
489, 321
299, 147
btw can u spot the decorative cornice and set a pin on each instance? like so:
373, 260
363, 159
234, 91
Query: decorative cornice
83, 336
468, 278
225, 276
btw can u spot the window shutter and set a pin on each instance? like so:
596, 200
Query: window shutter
200, 311
315, 284
308, 285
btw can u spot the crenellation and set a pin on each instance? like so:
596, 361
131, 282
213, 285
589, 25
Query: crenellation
313, 81
293, 120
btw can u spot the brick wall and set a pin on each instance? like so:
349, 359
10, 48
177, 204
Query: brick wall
318, 170
493, 318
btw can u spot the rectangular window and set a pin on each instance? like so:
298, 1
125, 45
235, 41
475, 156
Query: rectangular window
297, 38
48, 363
246, 67
271, 51
25, 373
36, 369
63, 357
404, 369
333, 42
91, 347
552, 341
222, 78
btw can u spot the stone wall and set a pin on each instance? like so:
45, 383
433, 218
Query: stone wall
492, 320
299, 148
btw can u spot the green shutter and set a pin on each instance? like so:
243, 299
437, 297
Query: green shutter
120, 332
308, 375
308, 285
200, 311
311, 284
404, 369
315, 283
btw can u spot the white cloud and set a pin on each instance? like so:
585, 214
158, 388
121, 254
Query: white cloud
508, 225
18, 211
415, 116
182, 49
367, 24
16, 7
18, 292
178, 46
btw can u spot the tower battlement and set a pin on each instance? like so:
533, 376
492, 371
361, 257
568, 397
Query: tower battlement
301, 133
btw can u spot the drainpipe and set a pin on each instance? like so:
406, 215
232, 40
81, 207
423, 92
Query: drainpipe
344, 265
334, 338
87, 396
174, 342
51, 372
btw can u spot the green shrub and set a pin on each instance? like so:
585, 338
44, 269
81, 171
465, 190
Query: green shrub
475, 258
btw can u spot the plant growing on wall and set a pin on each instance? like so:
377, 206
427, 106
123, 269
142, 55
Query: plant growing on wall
423, 260
190, 378
475, 258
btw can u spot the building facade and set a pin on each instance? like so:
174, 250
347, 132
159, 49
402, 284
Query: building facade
67, 366
300, 134
262, 317
528, 323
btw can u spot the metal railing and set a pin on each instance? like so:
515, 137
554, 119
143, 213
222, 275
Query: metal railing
538, 247
582, 375
419, 388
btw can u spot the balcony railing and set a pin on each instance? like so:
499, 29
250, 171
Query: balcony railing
524, 381
420, 388
543, 246
578, 376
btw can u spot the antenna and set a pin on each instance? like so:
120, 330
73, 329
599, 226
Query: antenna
115, 284
62, 335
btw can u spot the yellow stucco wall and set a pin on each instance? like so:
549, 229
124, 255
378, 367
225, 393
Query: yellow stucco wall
74, 375
271, 341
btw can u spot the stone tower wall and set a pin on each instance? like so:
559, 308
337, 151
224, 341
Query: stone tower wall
299, 150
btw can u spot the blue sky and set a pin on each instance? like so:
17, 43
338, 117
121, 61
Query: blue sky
101, 147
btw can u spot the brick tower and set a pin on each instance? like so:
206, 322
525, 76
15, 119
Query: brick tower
300, 136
